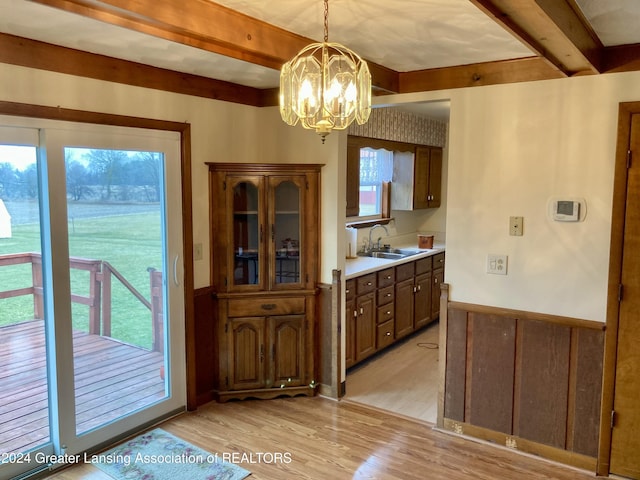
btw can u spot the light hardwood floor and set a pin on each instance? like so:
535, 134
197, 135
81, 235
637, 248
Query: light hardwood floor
343, 440
403, 379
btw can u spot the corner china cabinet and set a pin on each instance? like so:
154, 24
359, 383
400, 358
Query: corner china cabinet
264, 257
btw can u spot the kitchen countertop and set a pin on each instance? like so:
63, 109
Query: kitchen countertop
354, 267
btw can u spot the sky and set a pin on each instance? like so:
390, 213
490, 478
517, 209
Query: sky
18, 156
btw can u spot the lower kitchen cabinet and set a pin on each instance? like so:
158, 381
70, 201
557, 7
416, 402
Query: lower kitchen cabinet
385, 306
265, 347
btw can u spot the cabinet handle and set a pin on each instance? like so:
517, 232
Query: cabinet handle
347, 291
414, 290
436, 280
261, 353
389, 312
388, 277
273, 232
369, 284
355, 313
361, 311
419, 288
268, 306
388, 334
388, 295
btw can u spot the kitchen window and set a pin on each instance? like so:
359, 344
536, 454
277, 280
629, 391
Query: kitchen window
369, 173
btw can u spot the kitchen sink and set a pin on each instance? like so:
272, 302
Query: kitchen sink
390, 254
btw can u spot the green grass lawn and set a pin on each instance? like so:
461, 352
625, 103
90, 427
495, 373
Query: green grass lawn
130, 243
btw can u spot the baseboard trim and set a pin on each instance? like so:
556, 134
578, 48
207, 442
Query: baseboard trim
521, 445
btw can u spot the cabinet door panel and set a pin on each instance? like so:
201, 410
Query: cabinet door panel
438, 279
286, 201
404, 308
422, 300
365, 326
435, 177
246, 254
287, 341
246, 354
421, 179
350, 334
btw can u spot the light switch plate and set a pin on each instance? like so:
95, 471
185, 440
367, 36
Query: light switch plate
197, 251
497, 264
516, 225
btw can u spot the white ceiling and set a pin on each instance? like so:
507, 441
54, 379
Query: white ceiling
404, 35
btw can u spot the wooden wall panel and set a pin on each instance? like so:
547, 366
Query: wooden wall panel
588, 387
490, 371
205, 344
529, 381
543, 364
455, 376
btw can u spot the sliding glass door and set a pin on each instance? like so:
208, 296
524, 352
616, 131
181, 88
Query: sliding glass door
96, 321
25, 427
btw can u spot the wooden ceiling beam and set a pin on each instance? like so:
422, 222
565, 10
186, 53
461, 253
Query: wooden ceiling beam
623, 58
208, 26
44, 56
478, 74
555, 30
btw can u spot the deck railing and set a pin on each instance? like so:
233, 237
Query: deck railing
99, 299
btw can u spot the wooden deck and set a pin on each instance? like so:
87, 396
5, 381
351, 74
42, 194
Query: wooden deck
111, 380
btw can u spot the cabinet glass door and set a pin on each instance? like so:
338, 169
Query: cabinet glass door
286, 232
246, 232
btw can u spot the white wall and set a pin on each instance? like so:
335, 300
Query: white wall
511, 148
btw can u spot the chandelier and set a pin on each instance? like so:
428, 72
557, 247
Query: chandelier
325, 86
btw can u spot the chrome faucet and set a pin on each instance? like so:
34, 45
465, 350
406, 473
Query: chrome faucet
371, 231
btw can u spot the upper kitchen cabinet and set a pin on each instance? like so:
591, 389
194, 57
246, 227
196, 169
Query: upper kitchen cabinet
264, 227
417, 179
415, 173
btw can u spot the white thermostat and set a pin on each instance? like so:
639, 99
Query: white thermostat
567, 209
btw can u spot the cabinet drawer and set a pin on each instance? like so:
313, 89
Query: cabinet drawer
261, 307
438, 260
404, 271
385, 313
366, 283
350, 289
386, 295
386, 277
423, 265
385, 334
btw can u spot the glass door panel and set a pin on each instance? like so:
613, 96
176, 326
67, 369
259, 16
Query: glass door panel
246, 232
25, 426
286, 230
115, 235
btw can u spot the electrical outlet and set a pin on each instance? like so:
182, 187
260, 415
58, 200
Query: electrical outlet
197, 251
516, 226
497, 264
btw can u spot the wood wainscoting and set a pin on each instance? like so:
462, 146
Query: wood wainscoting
206, 352
528, 381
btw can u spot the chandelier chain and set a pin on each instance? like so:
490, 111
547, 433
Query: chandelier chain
326, 21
